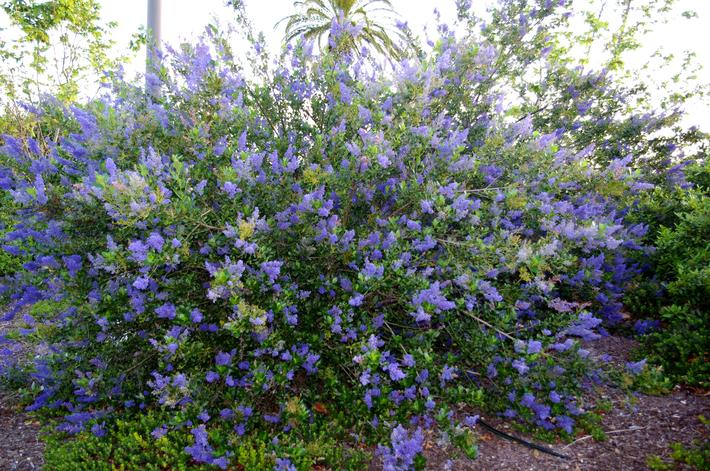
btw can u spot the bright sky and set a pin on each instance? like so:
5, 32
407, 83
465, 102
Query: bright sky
183, 19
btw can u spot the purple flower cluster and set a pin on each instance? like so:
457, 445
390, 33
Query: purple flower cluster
403, 449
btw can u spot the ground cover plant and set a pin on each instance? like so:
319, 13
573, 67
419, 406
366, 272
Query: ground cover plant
295, 264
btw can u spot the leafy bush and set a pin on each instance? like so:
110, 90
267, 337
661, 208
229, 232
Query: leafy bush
142, 442
9, 264
680, 285
272, 254
128, 441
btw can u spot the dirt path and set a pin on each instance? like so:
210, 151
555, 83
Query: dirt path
635, 429
20, 446
632, 435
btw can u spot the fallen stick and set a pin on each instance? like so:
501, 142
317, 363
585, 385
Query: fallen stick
630, 429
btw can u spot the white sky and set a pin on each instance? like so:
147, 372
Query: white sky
183, 19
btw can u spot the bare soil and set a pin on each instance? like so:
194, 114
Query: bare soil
633, 433
635, 427
20, 446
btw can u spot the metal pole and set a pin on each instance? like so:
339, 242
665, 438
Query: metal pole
153, 31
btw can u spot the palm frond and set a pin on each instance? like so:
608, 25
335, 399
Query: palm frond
313, 19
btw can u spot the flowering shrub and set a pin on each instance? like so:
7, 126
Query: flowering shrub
315, 247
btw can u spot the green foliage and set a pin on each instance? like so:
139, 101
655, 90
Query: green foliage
9, 264
129, 443
651, 380
682, 345
680, 284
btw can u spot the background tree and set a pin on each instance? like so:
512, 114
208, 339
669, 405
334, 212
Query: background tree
314, 17
56, 46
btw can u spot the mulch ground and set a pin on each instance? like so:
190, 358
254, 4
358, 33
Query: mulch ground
635, 429
20, 446
633, 433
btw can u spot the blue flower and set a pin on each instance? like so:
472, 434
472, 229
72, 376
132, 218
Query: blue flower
645, 326
155, 241
356, 300
271, 270
521, 366
196, 316
565, 423
231, 189
284, 464
73, 264
434, 297
159, 432
200, 450
211, 376
166, 311
98, 429
396, 374
448, 373
635, 368
403, 449
489, 291
534, 346
470, 421
372, 271
223, 359
139, 251
141, 283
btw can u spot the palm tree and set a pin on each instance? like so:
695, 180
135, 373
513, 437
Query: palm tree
313, 20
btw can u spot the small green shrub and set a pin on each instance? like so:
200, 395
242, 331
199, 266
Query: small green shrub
127, 445
679, 284
132, 443
682, 346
